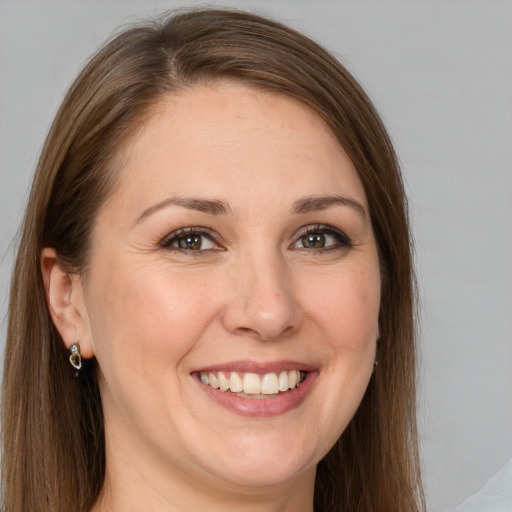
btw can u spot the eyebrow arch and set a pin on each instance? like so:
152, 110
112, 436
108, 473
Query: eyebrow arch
309, 204
210, 206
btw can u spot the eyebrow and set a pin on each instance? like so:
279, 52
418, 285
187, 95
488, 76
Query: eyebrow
212, 207
217, 207
310, 204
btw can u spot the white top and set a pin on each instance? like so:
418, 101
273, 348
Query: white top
495, 496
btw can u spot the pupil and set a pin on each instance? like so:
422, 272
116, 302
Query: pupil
313, 241
190, 242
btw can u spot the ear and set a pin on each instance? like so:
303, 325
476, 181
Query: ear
65, 298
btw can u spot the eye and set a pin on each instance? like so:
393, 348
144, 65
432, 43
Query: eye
190, 239
321, 237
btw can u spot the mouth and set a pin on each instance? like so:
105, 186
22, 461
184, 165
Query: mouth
253, 385
255, 390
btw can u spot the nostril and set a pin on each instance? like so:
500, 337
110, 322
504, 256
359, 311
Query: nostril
265, 334
246, 330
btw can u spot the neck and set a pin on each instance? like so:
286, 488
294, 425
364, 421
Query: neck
152, 497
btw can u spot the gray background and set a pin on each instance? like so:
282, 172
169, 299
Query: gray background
441, 75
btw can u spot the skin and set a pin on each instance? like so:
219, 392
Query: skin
151, 312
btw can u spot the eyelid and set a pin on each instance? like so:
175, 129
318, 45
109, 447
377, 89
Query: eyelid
168, 240
343, 239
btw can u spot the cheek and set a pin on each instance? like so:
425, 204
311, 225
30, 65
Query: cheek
147, 316
344, 312
347, 307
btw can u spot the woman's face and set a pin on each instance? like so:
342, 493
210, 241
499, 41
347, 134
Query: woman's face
236, 251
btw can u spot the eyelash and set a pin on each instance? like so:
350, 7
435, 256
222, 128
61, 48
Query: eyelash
175, 236
342, 240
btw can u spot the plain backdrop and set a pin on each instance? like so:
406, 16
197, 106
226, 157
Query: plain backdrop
440, 72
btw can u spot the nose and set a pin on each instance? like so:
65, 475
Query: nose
262, 304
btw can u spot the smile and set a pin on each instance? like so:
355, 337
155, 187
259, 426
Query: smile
254, 385
257, 390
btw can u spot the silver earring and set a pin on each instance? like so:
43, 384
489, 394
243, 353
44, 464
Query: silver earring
75, 358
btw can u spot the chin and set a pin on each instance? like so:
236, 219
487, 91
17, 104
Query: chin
257, 477
259, 463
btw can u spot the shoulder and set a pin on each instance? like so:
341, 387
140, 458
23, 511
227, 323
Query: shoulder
495, 496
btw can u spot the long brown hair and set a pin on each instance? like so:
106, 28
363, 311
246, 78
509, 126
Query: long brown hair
53, 438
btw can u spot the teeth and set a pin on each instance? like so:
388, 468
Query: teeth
293, 378
235, 383
223, 382
213, 380
253, 383
269, 384
283, 381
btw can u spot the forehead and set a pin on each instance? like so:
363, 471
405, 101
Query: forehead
230, 139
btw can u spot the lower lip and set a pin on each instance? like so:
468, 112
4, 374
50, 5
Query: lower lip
261, 407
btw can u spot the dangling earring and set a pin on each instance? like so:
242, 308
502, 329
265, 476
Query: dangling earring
75, 358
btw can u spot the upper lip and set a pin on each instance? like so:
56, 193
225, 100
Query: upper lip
260, 367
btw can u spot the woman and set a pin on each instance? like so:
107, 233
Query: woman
212, 304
